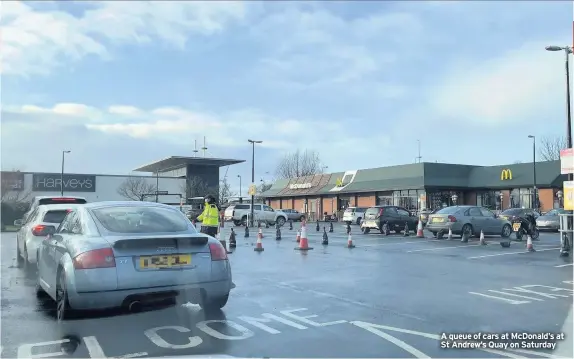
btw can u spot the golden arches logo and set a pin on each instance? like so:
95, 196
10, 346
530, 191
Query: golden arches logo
506, 174
339, 182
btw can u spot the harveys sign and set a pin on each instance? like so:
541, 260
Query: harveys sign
52, 182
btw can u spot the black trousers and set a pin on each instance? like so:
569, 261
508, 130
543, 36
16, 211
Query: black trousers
210, 231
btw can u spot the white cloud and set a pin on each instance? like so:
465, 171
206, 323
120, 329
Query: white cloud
35, 42
181, 126
324, 51
516, 86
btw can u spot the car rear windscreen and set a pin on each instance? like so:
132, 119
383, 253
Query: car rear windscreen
241, 206
448, 210
141, 220
55, 216
372, 210
61, 200
350, 210
360, 209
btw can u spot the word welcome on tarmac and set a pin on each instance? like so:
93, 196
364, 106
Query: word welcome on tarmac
266, 323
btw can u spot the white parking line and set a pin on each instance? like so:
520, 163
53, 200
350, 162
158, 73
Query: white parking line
564, 265
506, 254
442, 248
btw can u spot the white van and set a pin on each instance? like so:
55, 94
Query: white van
354, 215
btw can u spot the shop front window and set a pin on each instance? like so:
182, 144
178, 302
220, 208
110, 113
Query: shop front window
442, 199
344, 202
521, 198
487, 199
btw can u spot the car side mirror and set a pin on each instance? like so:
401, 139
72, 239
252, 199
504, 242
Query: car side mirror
18, 223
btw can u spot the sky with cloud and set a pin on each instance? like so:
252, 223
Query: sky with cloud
121, 84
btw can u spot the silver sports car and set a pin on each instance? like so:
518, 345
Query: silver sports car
110, 254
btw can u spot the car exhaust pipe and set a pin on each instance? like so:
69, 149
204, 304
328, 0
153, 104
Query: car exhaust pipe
135, 306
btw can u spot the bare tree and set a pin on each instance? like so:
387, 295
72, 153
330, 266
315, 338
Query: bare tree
299, 164
195, 186
264, 186
134, 187
225, 191
549, 148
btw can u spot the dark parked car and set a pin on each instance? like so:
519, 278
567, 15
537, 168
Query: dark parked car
395, 216
514, 213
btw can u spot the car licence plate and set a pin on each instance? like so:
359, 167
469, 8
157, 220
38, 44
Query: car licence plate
516, 227
370, 223
437, 220
176, 260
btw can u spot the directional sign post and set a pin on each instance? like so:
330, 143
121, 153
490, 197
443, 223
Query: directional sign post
252, 190
161, 193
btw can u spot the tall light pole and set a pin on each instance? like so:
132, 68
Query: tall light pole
253, 142
534, 196
157, 187
567, 51
240, 195
62, 174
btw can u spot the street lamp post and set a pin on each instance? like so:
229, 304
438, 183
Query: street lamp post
62, 174
240, 195
253, 142
534, 194
157, 187
567, 51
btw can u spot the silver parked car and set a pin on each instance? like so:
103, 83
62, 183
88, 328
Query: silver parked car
470, 219
293, 215
32, 233
550, 221
110, 254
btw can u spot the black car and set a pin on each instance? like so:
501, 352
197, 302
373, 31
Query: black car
395, 216
512, 214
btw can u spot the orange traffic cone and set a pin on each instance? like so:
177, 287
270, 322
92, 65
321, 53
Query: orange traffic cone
298, 236
259, 244
260, 233
350, 242
449, 237
482, 241
420, 233
529, 245
303, 242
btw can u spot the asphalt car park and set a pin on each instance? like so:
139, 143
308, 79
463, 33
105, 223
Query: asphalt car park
390, 296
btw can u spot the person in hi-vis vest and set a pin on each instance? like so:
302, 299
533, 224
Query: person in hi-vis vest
210, 217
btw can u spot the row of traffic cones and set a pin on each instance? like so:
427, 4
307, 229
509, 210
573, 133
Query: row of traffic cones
304, 243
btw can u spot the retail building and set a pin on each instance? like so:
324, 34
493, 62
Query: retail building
175, 177
421, 185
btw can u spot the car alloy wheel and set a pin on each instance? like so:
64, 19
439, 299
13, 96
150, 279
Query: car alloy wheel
62, 306
280, 221
506, 231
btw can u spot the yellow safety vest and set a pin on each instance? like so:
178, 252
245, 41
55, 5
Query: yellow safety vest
210, 216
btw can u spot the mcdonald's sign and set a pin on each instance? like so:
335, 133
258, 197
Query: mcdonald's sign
339, 182
506, 174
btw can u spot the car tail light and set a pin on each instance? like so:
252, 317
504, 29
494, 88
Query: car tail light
218, 253
451, 218
37, 230
381, 211
99, 258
